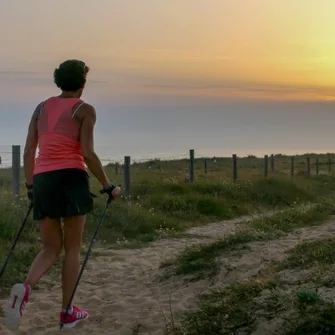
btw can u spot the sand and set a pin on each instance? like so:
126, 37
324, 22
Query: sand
123, 291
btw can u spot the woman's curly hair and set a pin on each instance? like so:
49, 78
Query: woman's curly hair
71, 75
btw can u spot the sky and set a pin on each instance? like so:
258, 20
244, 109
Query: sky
216, 74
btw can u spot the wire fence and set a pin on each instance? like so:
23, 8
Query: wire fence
6, 158
187, 168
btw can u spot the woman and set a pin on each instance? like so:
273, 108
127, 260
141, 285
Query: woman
58, 185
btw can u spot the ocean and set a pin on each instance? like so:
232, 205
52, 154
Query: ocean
113, 155
169, 133
106, 154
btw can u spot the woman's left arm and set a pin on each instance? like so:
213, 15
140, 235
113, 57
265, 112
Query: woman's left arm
30, 147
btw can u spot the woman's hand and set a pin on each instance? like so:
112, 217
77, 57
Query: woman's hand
112, 190
116, 191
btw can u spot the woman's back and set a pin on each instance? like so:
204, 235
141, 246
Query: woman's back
59, 136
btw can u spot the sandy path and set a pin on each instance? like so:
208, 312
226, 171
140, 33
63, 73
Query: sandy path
123, 295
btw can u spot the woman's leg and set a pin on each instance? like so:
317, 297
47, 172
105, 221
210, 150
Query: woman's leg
73, 236
51, 234
79, 202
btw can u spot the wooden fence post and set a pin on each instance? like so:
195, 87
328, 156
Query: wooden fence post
116, 168
330, 165
127, 176
292, 166
205, 166
308, 167
317, 165
272, 163
234, 168
16, 167
266, 165
191, 167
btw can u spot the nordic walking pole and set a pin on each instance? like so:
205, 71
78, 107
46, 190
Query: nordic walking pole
109, 200
15, 241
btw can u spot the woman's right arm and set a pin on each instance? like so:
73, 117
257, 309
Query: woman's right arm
87, 144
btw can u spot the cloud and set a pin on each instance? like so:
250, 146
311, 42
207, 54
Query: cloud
17, 73
18, 77
245, 90
93, 81
37, 79
161, 86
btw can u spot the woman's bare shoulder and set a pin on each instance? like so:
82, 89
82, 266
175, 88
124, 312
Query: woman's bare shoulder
85, 111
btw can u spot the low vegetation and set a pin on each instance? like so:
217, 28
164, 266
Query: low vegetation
268, 304
261, 307
200, 261
310, 254
163, 205
160, 210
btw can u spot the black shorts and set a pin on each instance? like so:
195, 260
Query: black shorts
61, 193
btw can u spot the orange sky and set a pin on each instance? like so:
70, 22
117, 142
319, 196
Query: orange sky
246, 49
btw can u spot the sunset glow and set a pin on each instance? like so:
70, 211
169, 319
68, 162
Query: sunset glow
263, 49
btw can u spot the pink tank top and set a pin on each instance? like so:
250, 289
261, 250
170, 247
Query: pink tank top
59, 136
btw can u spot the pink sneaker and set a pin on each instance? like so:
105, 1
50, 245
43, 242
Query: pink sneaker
19, 297
72, 319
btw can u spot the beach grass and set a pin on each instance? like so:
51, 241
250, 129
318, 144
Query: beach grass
164, 204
